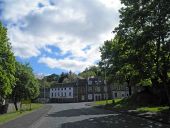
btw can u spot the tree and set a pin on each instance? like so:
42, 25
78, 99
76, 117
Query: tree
7, 65
91, 71
70, 78
52, 77
26, 86
145, 28
62, 77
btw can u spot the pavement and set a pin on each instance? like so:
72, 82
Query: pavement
27, 120
80, 115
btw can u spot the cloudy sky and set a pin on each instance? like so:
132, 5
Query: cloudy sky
59, 35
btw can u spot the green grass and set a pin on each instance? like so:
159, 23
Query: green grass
13, 115
152, 109
103, 102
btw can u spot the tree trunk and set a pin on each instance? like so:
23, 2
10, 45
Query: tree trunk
15, 104
129, 86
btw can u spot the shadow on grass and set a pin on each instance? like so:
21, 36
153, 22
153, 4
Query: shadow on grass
155, 113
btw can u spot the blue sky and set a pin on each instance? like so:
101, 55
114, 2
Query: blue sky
59, 35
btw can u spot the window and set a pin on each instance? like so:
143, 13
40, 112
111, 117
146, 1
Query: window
62, 94
65, 88
61, 88
51, 94
58, 89
58, 94
122, 95
115, 95
52, 89
89, 89
69, 88
65, 93
69, 93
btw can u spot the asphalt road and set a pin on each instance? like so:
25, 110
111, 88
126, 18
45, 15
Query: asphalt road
79, 115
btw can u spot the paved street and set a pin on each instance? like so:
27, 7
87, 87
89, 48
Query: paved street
78, 115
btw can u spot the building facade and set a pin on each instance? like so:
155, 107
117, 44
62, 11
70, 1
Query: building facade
63, 92
120, 90
83, 90
92, 89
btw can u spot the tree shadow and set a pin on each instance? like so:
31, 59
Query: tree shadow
93, 117
114, 121
78, 112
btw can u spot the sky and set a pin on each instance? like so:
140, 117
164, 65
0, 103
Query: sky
56, 36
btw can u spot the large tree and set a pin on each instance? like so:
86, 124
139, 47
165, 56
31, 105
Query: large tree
7, 65
26, 86
145, 28
116, 61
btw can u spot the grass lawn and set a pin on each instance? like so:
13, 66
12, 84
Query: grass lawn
123, 104
103, 102
13, 115
152, 109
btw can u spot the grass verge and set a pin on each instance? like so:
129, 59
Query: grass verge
123, 104
13, 115
103, 102
152, 109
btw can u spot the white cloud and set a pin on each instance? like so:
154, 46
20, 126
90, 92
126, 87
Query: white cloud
66, 63
69, 25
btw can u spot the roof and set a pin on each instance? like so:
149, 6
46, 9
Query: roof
63, 85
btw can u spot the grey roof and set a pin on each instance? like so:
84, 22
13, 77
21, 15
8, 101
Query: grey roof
63, 85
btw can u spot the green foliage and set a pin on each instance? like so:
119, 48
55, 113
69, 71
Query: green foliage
145, 27
52, 77
140, 51
7, 64
62, 77
91, 71
27, 86
71, 77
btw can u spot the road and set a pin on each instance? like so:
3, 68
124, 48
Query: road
79, 115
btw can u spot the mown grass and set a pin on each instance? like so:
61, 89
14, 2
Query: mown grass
13, 115
152, 109
123, 104
104, 102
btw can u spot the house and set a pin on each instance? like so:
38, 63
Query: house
63, 92
82, 86
81, 90
120, 90
97, 89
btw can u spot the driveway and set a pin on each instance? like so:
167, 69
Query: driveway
79, 115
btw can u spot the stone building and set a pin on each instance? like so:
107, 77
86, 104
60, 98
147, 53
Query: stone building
91, 89
120, 90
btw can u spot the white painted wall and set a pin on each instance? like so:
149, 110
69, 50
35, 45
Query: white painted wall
60, 92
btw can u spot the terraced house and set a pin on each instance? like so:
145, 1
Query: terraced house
81, 90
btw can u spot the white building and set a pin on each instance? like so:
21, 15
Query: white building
58, 92
62, 92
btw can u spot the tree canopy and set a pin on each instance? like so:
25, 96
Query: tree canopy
7, 64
